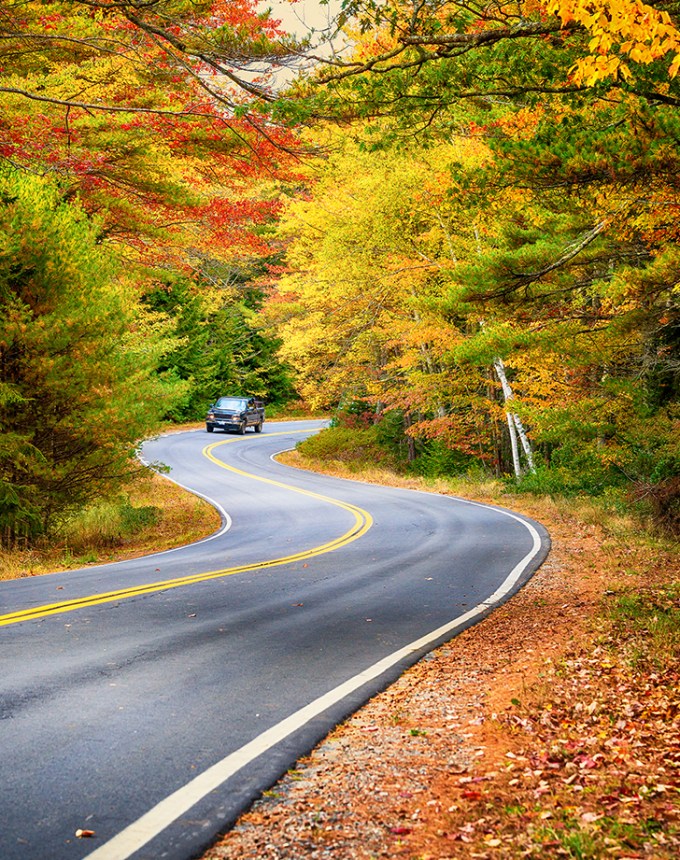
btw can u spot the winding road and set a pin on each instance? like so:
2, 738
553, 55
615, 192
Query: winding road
150, 701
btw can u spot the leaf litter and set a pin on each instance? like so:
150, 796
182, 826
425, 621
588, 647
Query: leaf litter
552, 728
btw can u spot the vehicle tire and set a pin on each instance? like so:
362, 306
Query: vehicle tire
258, 427
242, 428
209, 428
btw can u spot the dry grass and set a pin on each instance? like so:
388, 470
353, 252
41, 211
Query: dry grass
96, 537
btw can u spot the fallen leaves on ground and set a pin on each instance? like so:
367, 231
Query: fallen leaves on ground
550, 729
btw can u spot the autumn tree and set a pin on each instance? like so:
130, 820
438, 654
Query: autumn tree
149, 113
370, 256
572, 282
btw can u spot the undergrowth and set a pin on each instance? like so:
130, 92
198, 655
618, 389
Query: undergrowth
155, 515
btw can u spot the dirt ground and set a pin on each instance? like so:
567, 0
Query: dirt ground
525, 736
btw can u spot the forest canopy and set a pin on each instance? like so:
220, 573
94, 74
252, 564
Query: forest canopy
456, 230
491, 245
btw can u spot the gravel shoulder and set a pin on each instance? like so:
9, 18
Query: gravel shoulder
512, 740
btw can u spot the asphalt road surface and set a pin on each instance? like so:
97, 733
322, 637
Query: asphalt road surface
152, 700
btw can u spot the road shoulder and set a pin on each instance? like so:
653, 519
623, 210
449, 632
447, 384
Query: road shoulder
452, 761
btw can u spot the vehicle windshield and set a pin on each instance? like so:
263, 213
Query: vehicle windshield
230, 403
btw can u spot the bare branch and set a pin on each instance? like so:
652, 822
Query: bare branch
94, 106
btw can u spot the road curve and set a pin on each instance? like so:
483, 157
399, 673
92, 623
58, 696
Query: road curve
150, 701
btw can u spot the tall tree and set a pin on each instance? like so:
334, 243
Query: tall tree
78, 386
220, 344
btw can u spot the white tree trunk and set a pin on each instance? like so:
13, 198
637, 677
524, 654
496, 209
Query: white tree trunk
513, 444
514, 419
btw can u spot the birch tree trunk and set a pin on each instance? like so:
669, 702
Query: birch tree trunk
513, 445
513, 418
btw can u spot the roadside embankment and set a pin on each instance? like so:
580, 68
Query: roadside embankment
552, 728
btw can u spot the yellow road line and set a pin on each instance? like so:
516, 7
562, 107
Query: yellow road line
362, 523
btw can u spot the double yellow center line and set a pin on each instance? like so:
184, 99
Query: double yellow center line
362, 523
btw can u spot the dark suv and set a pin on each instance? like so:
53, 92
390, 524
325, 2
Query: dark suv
235, 413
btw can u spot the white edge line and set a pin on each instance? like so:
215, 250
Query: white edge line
152, 823
224, 516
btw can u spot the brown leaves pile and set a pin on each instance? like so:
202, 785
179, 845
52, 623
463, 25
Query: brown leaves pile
598, 771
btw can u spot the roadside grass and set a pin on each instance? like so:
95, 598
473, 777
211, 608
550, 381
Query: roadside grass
645, 626
154, 515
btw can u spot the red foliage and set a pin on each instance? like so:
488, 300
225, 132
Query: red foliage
180, 161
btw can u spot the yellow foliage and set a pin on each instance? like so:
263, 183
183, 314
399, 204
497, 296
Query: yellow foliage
622, 28
368, 255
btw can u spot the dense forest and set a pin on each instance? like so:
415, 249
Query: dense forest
455, 231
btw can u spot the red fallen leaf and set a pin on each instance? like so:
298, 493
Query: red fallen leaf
400, 831
471, 794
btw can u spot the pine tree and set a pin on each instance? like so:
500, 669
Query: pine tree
78, 387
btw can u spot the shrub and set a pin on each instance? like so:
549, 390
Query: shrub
355, 449
661, 502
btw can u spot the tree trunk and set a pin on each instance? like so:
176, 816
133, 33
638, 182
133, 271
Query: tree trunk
513, 417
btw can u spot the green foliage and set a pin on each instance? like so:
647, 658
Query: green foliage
435, 460
220, 346
390, 434
646, 626
570, 476
355, 448
77, 362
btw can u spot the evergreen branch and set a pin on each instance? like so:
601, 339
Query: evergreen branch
524, 279
444, 46
527, 29
652, 96
574, 250
179, 45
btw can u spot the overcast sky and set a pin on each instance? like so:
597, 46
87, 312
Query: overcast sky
304, 15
